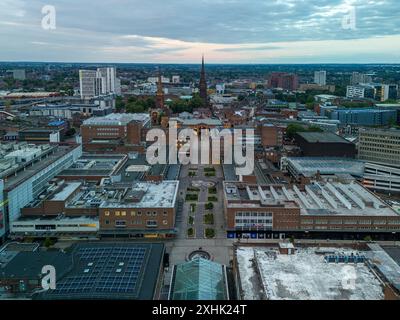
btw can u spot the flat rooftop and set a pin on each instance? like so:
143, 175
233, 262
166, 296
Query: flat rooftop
25, 171
318, 198
326, 166
304, 276
386, 260
117, 119
98, 165
146, 195
322, 137
68, 189
110, 271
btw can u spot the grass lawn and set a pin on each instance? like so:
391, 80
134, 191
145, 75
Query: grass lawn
190, 232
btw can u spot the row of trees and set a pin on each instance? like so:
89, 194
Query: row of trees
292, 129
135, 105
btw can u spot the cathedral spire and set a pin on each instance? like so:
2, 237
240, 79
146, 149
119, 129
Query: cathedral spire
160, 92
203, 84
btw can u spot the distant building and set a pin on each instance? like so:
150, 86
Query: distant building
176, 79
320, 78
284, 81
108, 133
18, 74
379, 92
363, 116
357, 78
324, 144
272, 135
360, 92
94, 83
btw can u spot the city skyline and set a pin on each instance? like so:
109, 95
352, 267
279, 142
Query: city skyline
238, 32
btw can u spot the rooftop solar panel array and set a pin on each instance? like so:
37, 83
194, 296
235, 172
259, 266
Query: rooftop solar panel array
101, 271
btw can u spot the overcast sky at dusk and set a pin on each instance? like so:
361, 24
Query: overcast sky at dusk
179, 31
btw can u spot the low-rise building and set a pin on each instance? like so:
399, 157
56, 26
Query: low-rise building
321, 207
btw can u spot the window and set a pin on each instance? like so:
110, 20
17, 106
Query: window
123, 213
154, 213
165, 213
120, 223
107, 213
165, 222
151, 223
133, 213
117, 213
139, 213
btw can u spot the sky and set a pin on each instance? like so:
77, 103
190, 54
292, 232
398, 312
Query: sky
180, 31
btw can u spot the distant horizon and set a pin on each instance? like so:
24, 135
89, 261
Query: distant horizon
207, 63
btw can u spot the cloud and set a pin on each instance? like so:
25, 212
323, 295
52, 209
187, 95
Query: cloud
180, 30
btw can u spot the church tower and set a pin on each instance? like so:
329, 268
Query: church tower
203, 85
160, 93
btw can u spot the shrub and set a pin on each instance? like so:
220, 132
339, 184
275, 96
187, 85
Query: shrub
209, 218
190, 232
212, 199
192, 197
209, 206
210, 233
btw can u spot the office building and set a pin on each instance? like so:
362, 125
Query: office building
379, 146
320, 78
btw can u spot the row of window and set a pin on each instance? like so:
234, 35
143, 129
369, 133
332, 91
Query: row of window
253, 214
149, 223
133, 213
